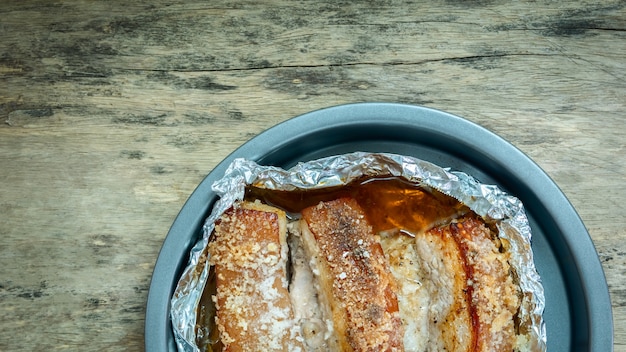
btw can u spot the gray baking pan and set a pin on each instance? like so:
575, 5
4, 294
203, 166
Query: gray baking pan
578, 312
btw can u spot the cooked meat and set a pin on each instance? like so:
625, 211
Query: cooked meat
455, 290
446, 280
356, 288
449, 288
494, 296
250, 255
413, 295
307, 310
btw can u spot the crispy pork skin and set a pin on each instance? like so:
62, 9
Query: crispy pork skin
249, 254
495, 298
354, 280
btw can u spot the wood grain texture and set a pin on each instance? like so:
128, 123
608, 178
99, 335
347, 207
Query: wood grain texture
112, 112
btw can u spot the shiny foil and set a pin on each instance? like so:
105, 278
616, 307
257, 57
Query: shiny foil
488, 201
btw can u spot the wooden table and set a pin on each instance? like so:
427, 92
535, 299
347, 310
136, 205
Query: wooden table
114, 111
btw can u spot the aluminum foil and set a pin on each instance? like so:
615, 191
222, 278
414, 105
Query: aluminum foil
488, 201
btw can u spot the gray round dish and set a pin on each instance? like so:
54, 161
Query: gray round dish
578, 313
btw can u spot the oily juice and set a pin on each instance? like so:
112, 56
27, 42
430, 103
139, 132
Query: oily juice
389, 203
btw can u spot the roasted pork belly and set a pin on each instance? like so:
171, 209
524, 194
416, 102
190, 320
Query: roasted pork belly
455, 288
249, 255
356, 287
327, 282
495, 297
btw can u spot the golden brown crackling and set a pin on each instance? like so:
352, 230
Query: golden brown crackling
354, 276
493, 293
249, 256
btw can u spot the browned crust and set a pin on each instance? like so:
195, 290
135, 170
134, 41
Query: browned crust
249, 256
490, 287
354, 277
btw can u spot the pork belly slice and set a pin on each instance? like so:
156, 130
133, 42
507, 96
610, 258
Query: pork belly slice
450, 324
431, 280
315, 329
495, 297
463, 262
413, 294
356, 288
249, 255
455, 288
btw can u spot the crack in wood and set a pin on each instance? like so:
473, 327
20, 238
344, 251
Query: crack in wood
342, 64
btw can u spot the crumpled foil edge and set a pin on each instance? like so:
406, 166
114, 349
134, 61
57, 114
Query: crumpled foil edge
488, 201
